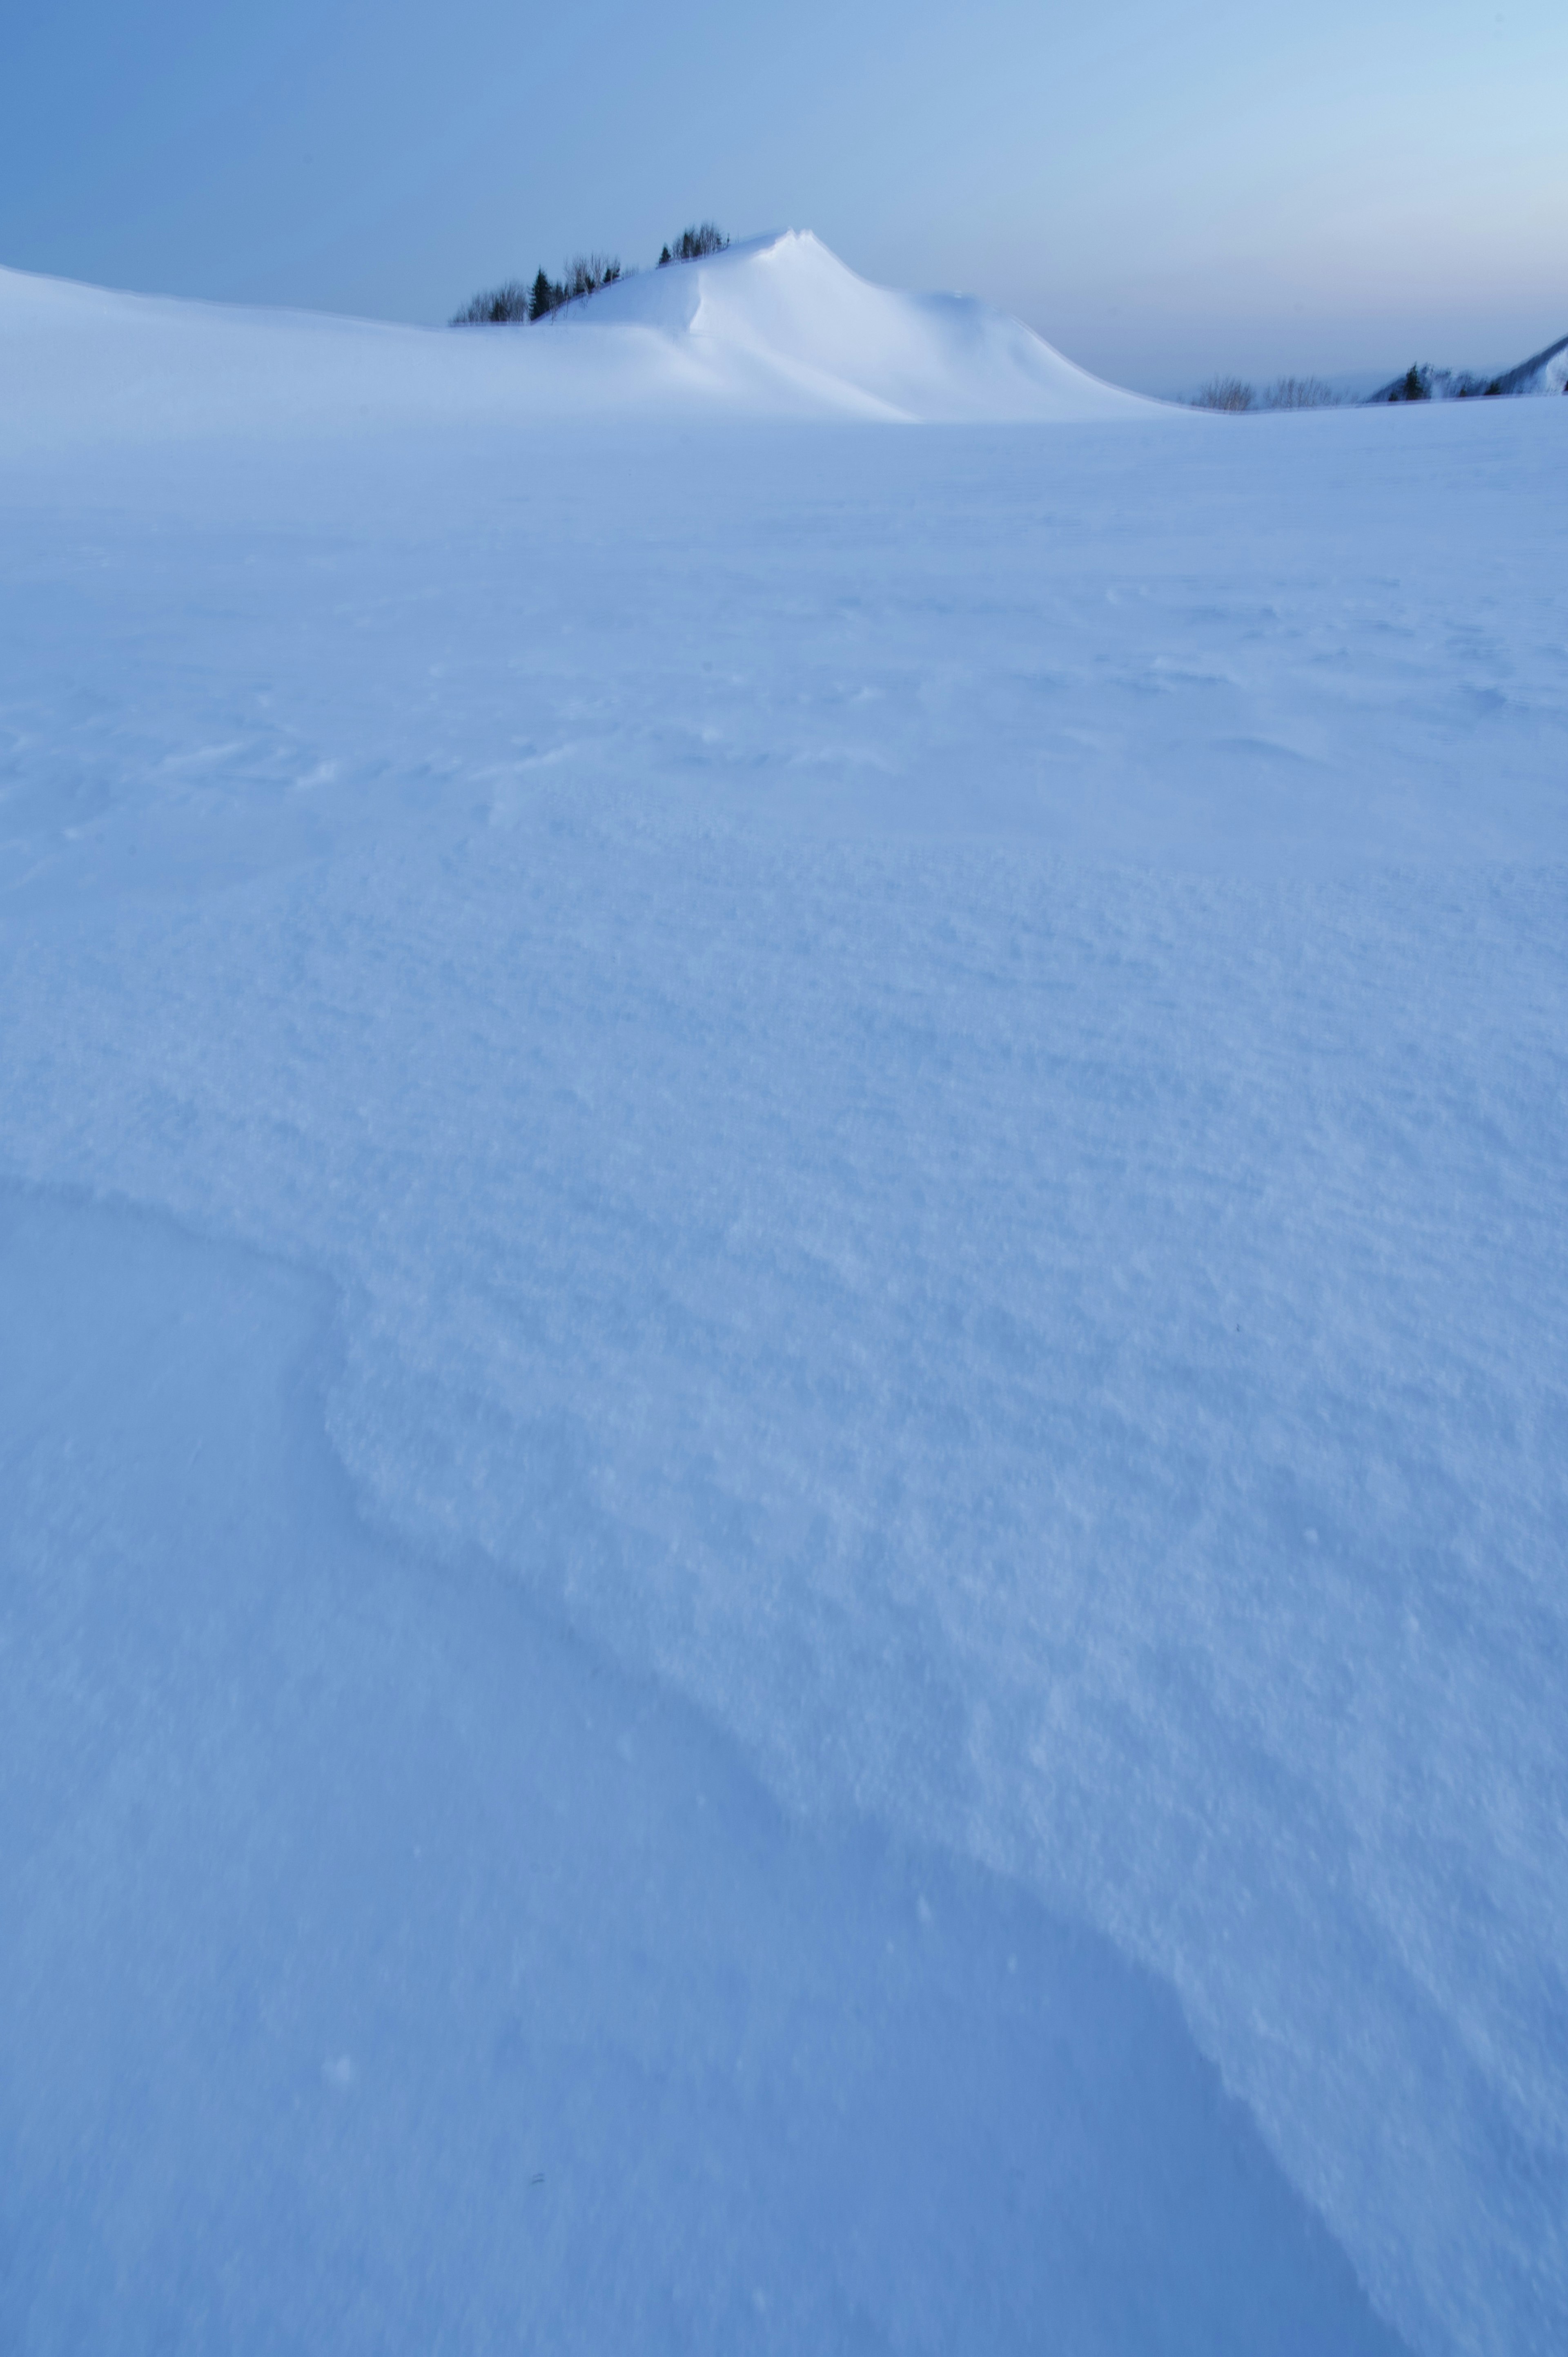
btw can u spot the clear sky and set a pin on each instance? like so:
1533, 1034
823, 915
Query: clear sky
1164, 187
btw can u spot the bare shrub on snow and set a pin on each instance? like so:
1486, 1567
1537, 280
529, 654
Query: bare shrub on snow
1232, 392
1226, 393
495, 307
1300, 393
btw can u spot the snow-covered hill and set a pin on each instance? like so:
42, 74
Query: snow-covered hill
783, 1264
780, 322
776, 327
1544, 372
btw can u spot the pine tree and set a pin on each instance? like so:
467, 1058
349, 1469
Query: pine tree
702, 237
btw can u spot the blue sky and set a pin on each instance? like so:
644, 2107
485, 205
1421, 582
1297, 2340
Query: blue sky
1164, 189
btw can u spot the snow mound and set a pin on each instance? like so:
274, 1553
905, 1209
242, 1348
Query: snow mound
781, 315
777, 327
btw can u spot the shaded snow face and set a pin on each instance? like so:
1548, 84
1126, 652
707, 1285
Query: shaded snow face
927, 1072
380, 1966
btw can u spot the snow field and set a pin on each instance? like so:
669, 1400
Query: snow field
925, 1073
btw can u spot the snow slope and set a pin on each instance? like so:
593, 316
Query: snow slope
782, 1494
1543, 372
782, 320
775, 327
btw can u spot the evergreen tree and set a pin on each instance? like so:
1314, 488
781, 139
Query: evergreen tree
702, 237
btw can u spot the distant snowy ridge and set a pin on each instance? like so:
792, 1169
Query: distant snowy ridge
1544, 372
776, 326
782, 1266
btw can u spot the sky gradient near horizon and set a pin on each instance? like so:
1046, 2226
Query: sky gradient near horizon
1164, 190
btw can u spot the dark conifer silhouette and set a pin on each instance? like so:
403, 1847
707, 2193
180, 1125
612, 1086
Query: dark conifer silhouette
703, 237
585, 275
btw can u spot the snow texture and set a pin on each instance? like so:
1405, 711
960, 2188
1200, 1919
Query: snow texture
783, 1428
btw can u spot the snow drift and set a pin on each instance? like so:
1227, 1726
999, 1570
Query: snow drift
776, 327
781, 322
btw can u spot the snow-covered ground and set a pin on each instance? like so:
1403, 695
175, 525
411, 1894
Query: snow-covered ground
783, 1422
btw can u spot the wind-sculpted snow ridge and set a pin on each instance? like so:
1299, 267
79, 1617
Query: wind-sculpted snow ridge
468, 1993
777, 327
781, 322
783, 1258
